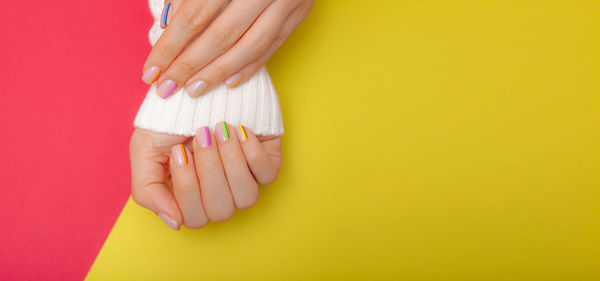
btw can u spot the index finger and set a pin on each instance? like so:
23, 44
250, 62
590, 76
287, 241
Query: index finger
187, 20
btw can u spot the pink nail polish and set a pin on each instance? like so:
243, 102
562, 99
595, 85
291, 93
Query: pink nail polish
179, 156
233, 80
203, 137
166, 88
196, 88
169, 221
150, 74
221, 132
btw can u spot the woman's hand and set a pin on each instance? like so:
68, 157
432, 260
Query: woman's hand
210, 174
232, 48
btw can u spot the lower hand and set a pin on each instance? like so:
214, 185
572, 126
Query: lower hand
211, 174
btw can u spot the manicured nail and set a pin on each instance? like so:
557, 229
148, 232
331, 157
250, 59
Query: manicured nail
166, 15
241, 133
179, 155
233, 80
222, 133
150, 74
166, 88
203, 137
196, 88
169, 221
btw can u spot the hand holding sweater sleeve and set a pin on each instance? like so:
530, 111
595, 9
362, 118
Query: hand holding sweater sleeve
253, 104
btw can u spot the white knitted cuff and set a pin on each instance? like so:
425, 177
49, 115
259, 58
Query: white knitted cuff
253, 104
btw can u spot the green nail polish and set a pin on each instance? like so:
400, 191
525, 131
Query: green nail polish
225, 131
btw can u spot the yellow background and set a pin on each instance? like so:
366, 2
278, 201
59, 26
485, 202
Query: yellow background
425, 140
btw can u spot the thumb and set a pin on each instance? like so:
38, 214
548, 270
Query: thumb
148, 182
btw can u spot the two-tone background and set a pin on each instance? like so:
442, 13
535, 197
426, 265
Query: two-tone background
425, 140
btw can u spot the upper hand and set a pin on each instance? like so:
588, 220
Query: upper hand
232, 48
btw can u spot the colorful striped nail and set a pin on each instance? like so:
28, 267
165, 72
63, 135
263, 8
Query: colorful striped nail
233, 80
221, 133
166, 88
242, 134
196, 88
185, 161
150, 75
203, 137
225, 131
179, 155
207, 134
166, 15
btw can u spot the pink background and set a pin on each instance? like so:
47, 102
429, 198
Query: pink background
70, 90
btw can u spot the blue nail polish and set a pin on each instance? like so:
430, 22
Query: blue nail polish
164, 19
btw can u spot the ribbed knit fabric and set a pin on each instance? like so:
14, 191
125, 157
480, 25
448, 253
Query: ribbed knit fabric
253, 104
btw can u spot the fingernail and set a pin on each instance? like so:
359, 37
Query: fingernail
166, 88
233, 80
203, 137
196, 88
169, 221
179, 155
149, 76
241, 133
222, 133
166, 15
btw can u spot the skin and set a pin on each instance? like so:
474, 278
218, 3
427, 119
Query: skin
216, 180
239, 41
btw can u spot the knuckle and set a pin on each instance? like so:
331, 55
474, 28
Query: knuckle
278, 41
222, 34
261, 43
187, 188
304, 6
307, 5
183, 67
253, 157
231, 158
191, 18
166, 47
209, 167
219, 71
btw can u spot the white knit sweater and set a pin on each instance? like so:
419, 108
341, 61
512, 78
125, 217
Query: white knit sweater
253, 104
